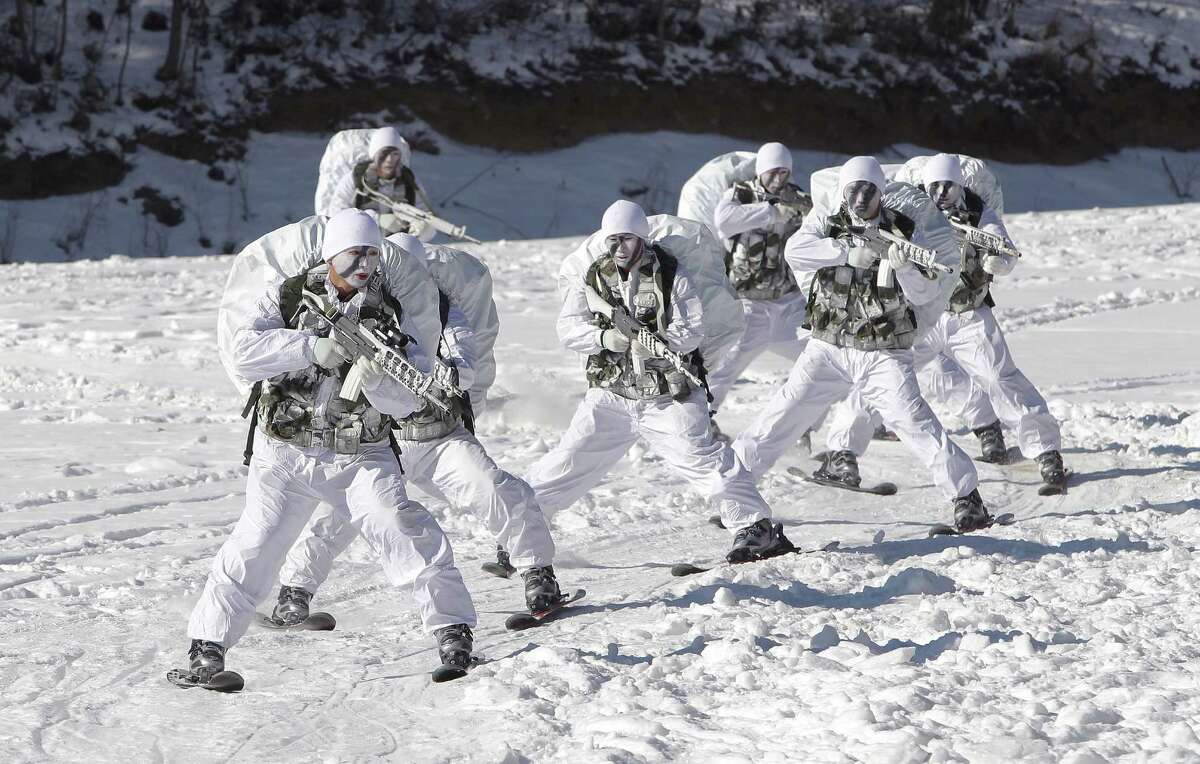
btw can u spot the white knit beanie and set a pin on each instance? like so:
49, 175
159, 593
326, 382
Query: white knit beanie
387, 137
942, 167
409, 243
349, 228
860, 168
771, 157
624, 217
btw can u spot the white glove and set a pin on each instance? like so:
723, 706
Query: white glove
614, 341
371, 372
997, 265
897, 257
329, 354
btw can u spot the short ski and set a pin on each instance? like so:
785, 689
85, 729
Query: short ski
522, 621
1055, 489
948, 530
314, 622
222, 681
688, 569
880, 489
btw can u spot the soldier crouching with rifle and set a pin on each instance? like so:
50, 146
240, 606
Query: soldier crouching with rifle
865, 281
313, 445
384, 185
638, 319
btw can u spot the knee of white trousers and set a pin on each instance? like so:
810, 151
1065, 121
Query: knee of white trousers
310, 559
519, 525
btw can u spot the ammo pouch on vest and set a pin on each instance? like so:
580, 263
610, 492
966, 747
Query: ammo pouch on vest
755, 262
846, 308
974, 284
290, 420
615, 372
428, 423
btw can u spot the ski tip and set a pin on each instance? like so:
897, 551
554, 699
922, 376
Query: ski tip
716, 521
886, 489
447, 673
496, 569
686, 569
1008, 518
521, 622
831, 546
319, 622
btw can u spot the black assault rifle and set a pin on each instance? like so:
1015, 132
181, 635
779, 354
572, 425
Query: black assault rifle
375, 344
635, 332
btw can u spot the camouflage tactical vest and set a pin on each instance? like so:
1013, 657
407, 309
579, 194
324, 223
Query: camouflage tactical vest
302, 407
974, 283
755, 262
430, 423
847, 307
615, 372
402, 188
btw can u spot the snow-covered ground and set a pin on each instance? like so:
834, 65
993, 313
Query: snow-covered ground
1070, 636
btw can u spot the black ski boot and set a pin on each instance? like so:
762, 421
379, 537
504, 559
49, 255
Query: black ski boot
840, 467
883, 433
292, 607
1050, 464
758, 542
970, 514
541, 589
716, 429
991, 443
205, 659
454, 645
502, 567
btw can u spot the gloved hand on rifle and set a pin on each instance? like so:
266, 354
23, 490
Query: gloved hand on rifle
328, 354
371, 372
613, 341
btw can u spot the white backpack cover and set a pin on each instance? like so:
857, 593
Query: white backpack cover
976, 177
345, 150
700, 194
701, 258
468, 284
291, 250
915, 204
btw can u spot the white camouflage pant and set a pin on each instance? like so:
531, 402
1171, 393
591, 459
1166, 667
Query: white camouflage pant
770, 325
458, 469
994, 387
884, 379
606, 425
284, 485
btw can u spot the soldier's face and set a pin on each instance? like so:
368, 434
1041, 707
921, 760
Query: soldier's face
945, 193
387, 164
626, 249
354, 266
862, 198
773, 181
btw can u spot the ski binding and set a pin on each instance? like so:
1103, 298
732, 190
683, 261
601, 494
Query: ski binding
1008, 518
222, 681
522, 621
688, 569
